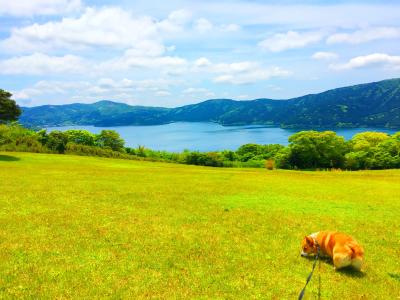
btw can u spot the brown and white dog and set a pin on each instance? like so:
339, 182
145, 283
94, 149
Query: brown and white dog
343, 249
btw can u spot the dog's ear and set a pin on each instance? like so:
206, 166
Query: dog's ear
309, 240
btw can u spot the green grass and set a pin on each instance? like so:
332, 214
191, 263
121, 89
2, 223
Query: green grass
83, 227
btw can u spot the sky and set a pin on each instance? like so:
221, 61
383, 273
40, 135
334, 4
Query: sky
172, 53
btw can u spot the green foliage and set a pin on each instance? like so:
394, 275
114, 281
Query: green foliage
9, 110
85, 150
110, 139
374, 150
141, 151
43, 137
282, 159
211, 159
365, 141
248, 151
57, 141
81, 137
257, 152
229, 155
307, 149
314, 149
14, 137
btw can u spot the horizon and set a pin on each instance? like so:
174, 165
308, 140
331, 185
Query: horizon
182, 52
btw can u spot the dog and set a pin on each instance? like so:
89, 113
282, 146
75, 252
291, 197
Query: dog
343, 249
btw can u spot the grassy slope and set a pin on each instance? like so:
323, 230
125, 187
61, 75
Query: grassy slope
79, 227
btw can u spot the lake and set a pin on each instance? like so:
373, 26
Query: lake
205, 136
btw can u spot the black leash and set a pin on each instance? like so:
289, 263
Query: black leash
319, 279
311, 274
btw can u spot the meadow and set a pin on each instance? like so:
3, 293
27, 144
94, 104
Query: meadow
76, 227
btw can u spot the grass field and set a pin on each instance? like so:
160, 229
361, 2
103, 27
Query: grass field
82, 227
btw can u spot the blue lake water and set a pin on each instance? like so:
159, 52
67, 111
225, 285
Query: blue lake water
205, 136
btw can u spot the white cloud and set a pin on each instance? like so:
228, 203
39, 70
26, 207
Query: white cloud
198, 92
237, 67
242, 72
25, 94
192, 90
368, 60
290, 40
146, 48
113, 27
103, 27
252, 76
84, 91
38, 63
49, 87
163, 93
128, 85
23, 8
324, 56
229, 27
365, 35
175, 22
133, 59
246, 72
203, 25
202, 62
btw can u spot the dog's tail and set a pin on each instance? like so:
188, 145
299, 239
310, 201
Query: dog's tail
357, 250
357, 255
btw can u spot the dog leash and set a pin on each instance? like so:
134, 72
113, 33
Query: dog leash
319, 279
301, 295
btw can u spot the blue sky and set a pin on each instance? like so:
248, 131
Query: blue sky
172, 53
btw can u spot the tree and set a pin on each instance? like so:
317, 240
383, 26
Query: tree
313, 149
248, 151
370, 150
229, 155
110, 139
43, 137
365, 141
9, 110
81, 137
282, 158
57, 141
271, 150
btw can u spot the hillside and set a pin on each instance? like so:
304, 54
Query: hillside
366, 105
87, 228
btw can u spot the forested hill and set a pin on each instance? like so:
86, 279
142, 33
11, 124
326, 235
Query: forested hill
374, 104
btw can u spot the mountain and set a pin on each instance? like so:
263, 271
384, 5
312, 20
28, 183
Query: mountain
374, 104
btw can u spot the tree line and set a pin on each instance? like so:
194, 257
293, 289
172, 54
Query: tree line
306, 149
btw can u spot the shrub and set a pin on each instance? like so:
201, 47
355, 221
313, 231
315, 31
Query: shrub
253, 164
211, 159
141, 151
85, 150
57, 141
270, 164
14, 137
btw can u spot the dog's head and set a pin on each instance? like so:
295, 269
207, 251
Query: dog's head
308, 246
